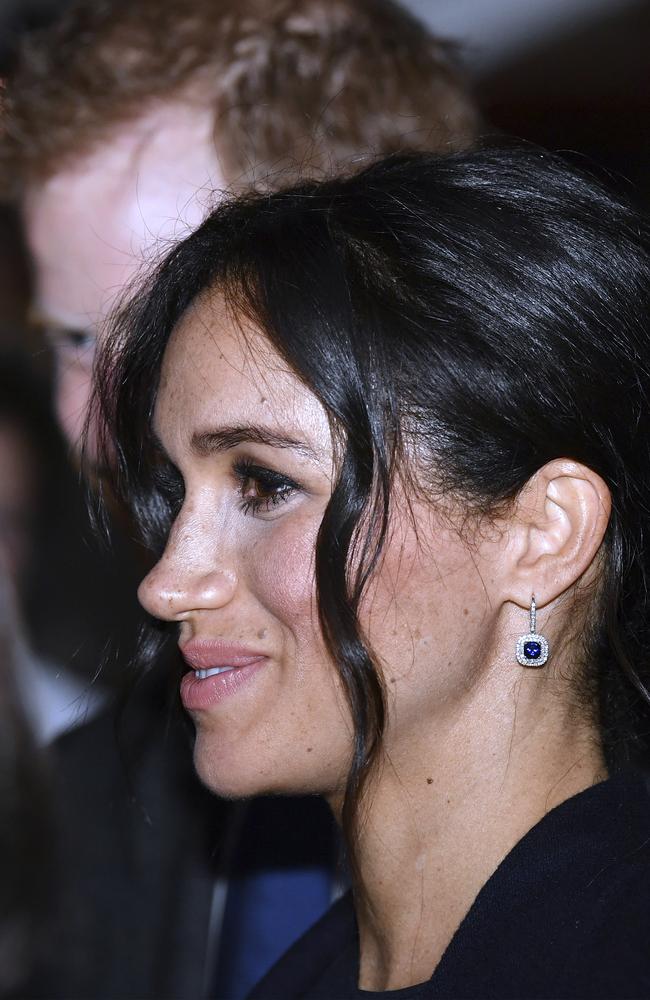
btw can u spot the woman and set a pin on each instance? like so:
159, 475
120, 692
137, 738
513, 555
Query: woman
390, 434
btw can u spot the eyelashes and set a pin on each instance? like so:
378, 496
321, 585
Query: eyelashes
262, 489
169, 487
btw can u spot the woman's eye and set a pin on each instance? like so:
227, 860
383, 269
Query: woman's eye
262, 489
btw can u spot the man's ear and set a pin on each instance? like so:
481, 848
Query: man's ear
556, 530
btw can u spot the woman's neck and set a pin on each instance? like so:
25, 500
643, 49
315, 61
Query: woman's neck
444, 812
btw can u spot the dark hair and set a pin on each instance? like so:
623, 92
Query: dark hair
306, 83
493, 306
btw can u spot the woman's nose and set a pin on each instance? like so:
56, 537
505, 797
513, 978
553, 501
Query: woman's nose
179, 585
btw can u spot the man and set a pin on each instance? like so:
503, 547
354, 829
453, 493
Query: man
126, 119
123, 123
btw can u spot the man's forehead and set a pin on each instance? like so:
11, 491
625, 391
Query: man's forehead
152, 178
96, 226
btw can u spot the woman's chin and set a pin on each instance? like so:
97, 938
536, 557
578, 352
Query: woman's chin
238, 776
241, 776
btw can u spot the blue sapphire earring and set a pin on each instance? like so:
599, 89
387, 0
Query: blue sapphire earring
532, 648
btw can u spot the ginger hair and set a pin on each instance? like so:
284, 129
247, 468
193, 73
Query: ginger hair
296, 86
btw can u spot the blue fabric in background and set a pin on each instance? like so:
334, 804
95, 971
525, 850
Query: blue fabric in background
280, 882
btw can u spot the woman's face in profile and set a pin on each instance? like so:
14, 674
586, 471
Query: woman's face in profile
254, 449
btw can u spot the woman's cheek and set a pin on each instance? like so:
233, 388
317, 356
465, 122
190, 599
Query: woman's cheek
283, 569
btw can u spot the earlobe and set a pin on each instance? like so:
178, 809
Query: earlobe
558, 527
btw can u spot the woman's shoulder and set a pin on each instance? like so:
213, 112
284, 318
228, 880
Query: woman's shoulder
611, 941
566, 914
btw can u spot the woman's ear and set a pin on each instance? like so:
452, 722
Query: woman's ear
556, 530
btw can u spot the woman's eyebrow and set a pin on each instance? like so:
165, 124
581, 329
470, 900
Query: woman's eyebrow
222, 438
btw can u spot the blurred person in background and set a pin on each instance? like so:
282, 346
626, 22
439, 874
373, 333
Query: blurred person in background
33, 484
15, 285
123, 124
42, 694
26, 824
119, 145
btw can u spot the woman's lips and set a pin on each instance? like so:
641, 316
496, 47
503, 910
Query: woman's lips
234, 666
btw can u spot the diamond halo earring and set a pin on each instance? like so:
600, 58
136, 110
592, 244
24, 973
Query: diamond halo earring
532, 648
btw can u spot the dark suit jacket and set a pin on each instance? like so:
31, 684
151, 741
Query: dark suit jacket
140, 847
137, 855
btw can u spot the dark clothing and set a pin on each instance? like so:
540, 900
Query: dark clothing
139, 849
565, 915
142, 855
280, 881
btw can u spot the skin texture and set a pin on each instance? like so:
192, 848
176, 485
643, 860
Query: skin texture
474, 742
93, 228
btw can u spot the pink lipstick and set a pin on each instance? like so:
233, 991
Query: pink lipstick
218, 670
